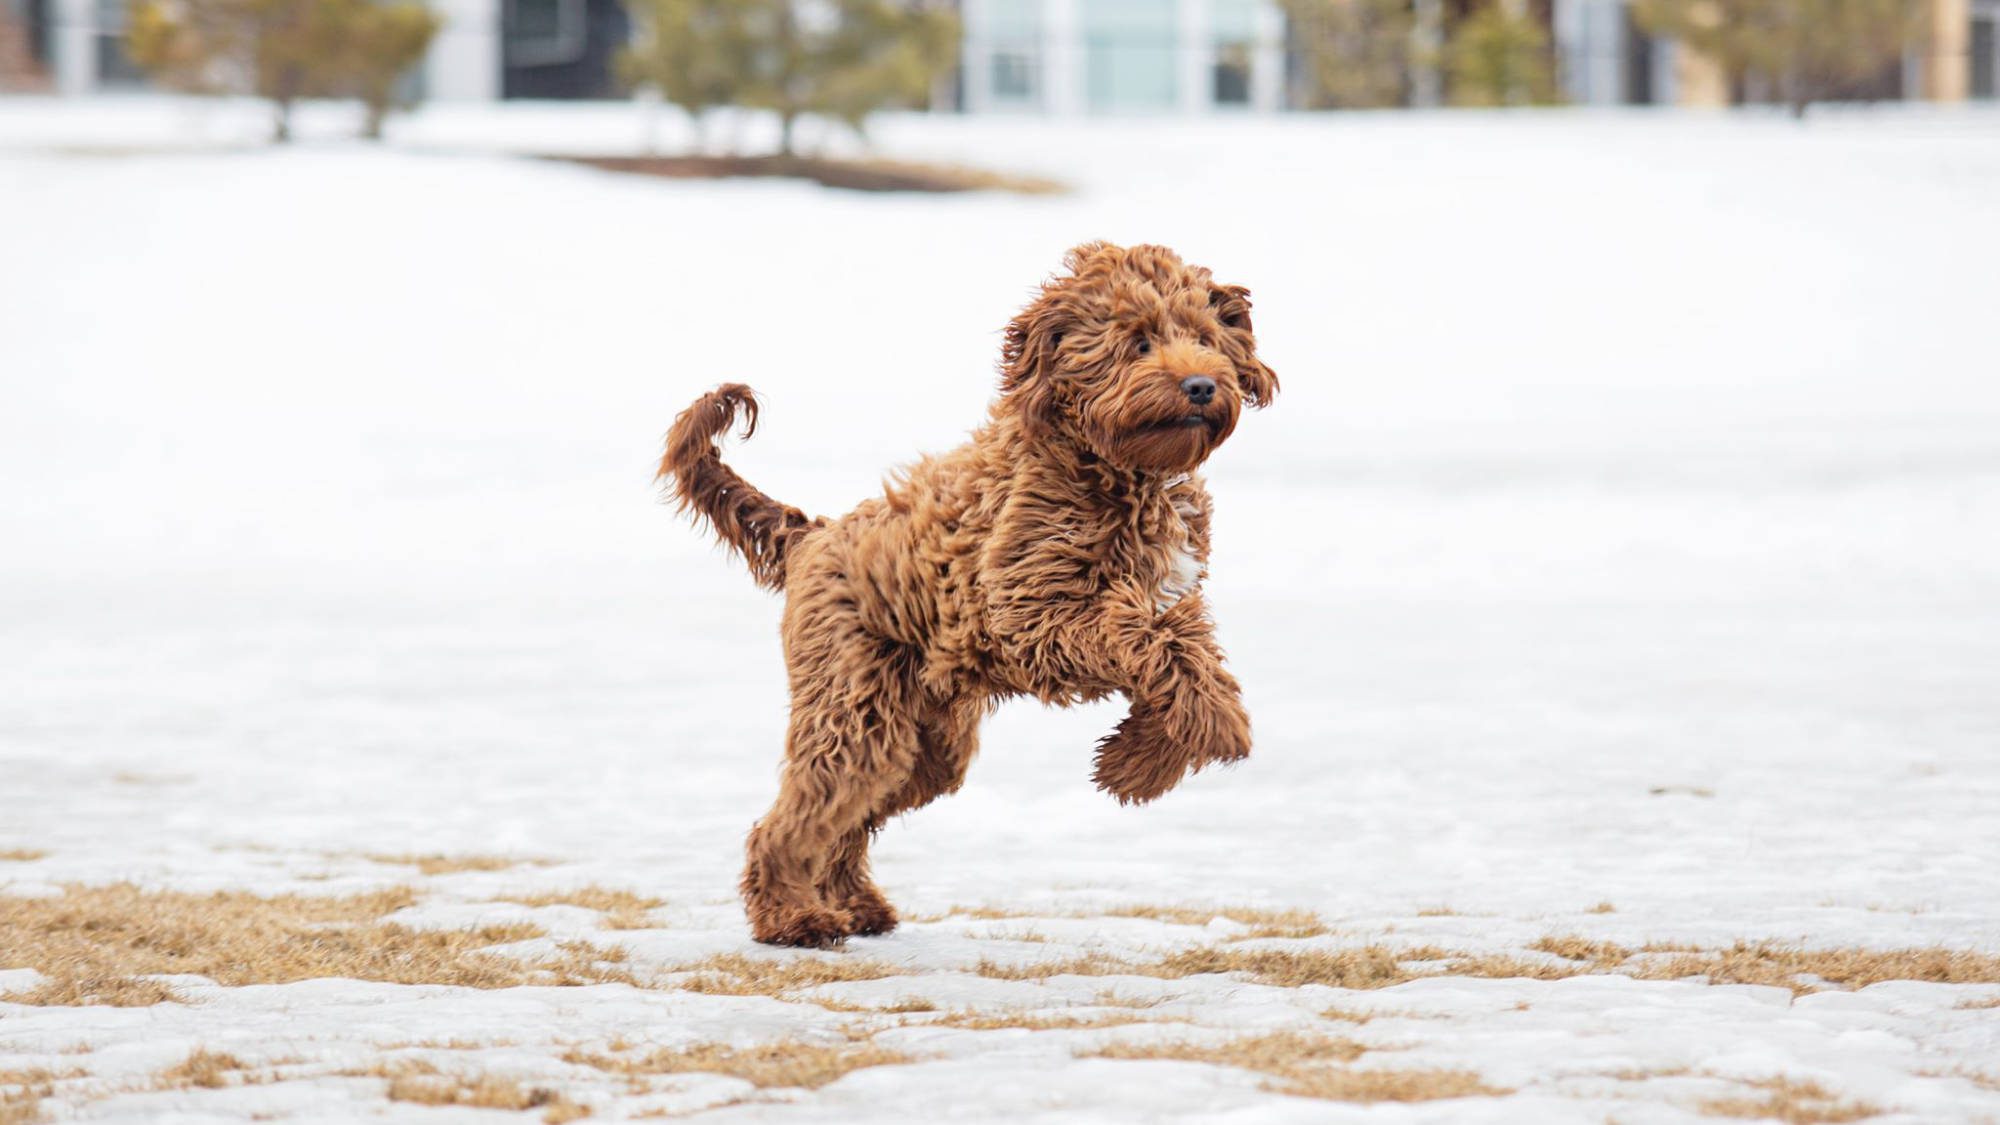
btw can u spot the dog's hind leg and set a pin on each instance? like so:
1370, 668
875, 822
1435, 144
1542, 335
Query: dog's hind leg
852, 744
948, 737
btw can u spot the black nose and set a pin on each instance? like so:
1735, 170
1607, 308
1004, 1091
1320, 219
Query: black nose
1200, 389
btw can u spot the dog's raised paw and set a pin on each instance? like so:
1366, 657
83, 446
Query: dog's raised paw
1137, 763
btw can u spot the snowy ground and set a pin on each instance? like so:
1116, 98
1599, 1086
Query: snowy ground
1628, 532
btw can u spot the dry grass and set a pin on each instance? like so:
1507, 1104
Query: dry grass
1262, 923
1572, 947
1647, 1074
1782, 966
203, 1067
969, 1020
622, 910
1437, 912
1088, 965
486, 1092
1793, 1102
783, 1063
1367, 967
22, 855
21, 1094
1602, 908
1279, 1053
451, 864
732, 974
1302, 1065
1978, 1005
95, 990
92, 942
1388, 1085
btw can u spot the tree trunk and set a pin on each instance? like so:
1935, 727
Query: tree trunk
281, 122
787, 118
371, 125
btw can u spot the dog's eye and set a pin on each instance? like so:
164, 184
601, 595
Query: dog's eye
1145, 346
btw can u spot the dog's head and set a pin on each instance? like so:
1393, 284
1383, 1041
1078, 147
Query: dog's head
1136, 356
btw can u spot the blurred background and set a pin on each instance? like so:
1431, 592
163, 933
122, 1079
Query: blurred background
1625, 529
847, 58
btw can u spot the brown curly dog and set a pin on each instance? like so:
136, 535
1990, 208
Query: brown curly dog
1057, 554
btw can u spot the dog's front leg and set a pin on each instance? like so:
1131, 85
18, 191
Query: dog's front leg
1187, 710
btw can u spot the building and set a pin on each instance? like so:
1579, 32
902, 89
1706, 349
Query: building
1060, 57
1121, 56
1604, 58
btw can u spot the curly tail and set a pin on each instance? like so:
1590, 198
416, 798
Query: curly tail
752, 524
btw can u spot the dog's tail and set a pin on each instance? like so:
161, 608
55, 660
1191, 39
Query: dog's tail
749, 522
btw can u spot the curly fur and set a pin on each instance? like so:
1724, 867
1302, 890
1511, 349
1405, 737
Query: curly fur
1057, 554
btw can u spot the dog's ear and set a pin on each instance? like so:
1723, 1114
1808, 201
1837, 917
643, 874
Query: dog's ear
1232, 306
1030, 364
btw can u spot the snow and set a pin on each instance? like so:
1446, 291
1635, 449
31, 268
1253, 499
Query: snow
1625, 532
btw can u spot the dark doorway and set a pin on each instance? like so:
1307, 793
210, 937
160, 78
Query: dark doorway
1985, 56
561, 48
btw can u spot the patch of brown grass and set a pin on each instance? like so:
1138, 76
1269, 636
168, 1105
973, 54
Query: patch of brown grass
451, 864
622, 910
1367, 967
1769, 964
1279, 1052
1602, 908
1302, 1065
783, 1063
1574, 947
22, 855
1262, 923
1978, 1005
1341, 1085
203, 1067
22, 1091
95, 990
92, 941
1437, 912
485, 1091
1088, 965
870, 174
733, 974
966, 1019
1790, 1101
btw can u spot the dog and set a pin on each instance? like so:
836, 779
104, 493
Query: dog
1058, 554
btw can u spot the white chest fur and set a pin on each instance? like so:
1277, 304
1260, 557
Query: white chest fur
1183, 575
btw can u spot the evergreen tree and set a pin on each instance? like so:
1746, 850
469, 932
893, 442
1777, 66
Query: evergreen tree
1358, 54
1806, 49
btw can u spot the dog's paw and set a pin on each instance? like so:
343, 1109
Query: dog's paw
810, 928
1138, 762
869, 917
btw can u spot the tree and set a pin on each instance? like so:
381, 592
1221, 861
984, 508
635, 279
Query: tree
1499, 57
384, 41
1807, 49
282, 50
698, 54
845, 59
1357, 53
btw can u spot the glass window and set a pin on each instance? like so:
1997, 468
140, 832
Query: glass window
1129, 48
1013, 76
1232, 74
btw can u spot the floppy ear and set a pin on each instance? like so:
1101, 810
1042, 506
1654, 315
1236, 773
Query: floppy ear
1232, 305
1028, 366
